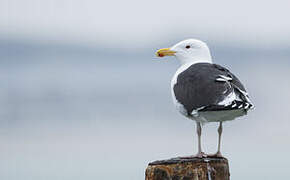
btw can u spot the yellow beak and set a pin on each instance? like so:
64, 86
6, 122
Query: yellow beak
165, 52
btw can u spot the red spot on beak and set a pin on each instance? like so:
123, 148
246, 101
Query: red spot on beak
160, 55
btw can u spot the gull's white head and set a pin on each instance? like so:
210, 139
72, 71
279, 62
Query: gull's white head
188, 51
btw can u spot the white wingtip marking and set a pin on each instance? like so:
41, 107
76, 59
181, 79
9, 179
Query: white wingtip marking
226, 77
229, 99
221, 80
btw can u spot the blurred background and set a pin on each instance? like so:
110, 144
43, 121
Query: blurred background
83, 97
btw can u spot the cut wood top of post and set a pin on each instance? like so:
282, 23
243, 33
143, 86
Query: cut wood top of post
189, 159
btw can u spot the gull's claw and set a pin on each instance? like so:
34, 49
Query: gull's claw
218, 154
201, 155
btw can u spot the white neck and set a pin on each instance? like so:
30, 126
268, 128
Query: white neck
184, 61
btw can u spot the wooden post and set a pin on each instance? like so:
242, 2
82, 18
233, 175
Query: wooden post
188, 168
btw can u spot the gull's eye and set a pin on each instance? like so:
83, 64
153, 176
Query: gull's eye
187, 47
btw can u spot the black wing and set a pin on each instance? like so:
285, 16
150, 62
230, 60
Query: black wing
203, 86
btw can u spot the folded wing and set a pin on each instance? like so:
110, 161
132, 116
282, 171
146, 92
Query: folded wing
210, 87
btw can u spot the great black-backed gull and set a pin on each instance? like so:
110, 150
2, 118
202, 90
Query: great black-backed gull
203, 91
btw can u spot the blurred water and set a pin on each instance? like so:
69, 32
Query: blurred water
77, 112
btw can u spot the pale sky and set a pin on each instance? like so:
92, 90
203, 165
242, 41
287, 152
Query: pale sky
138, 23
